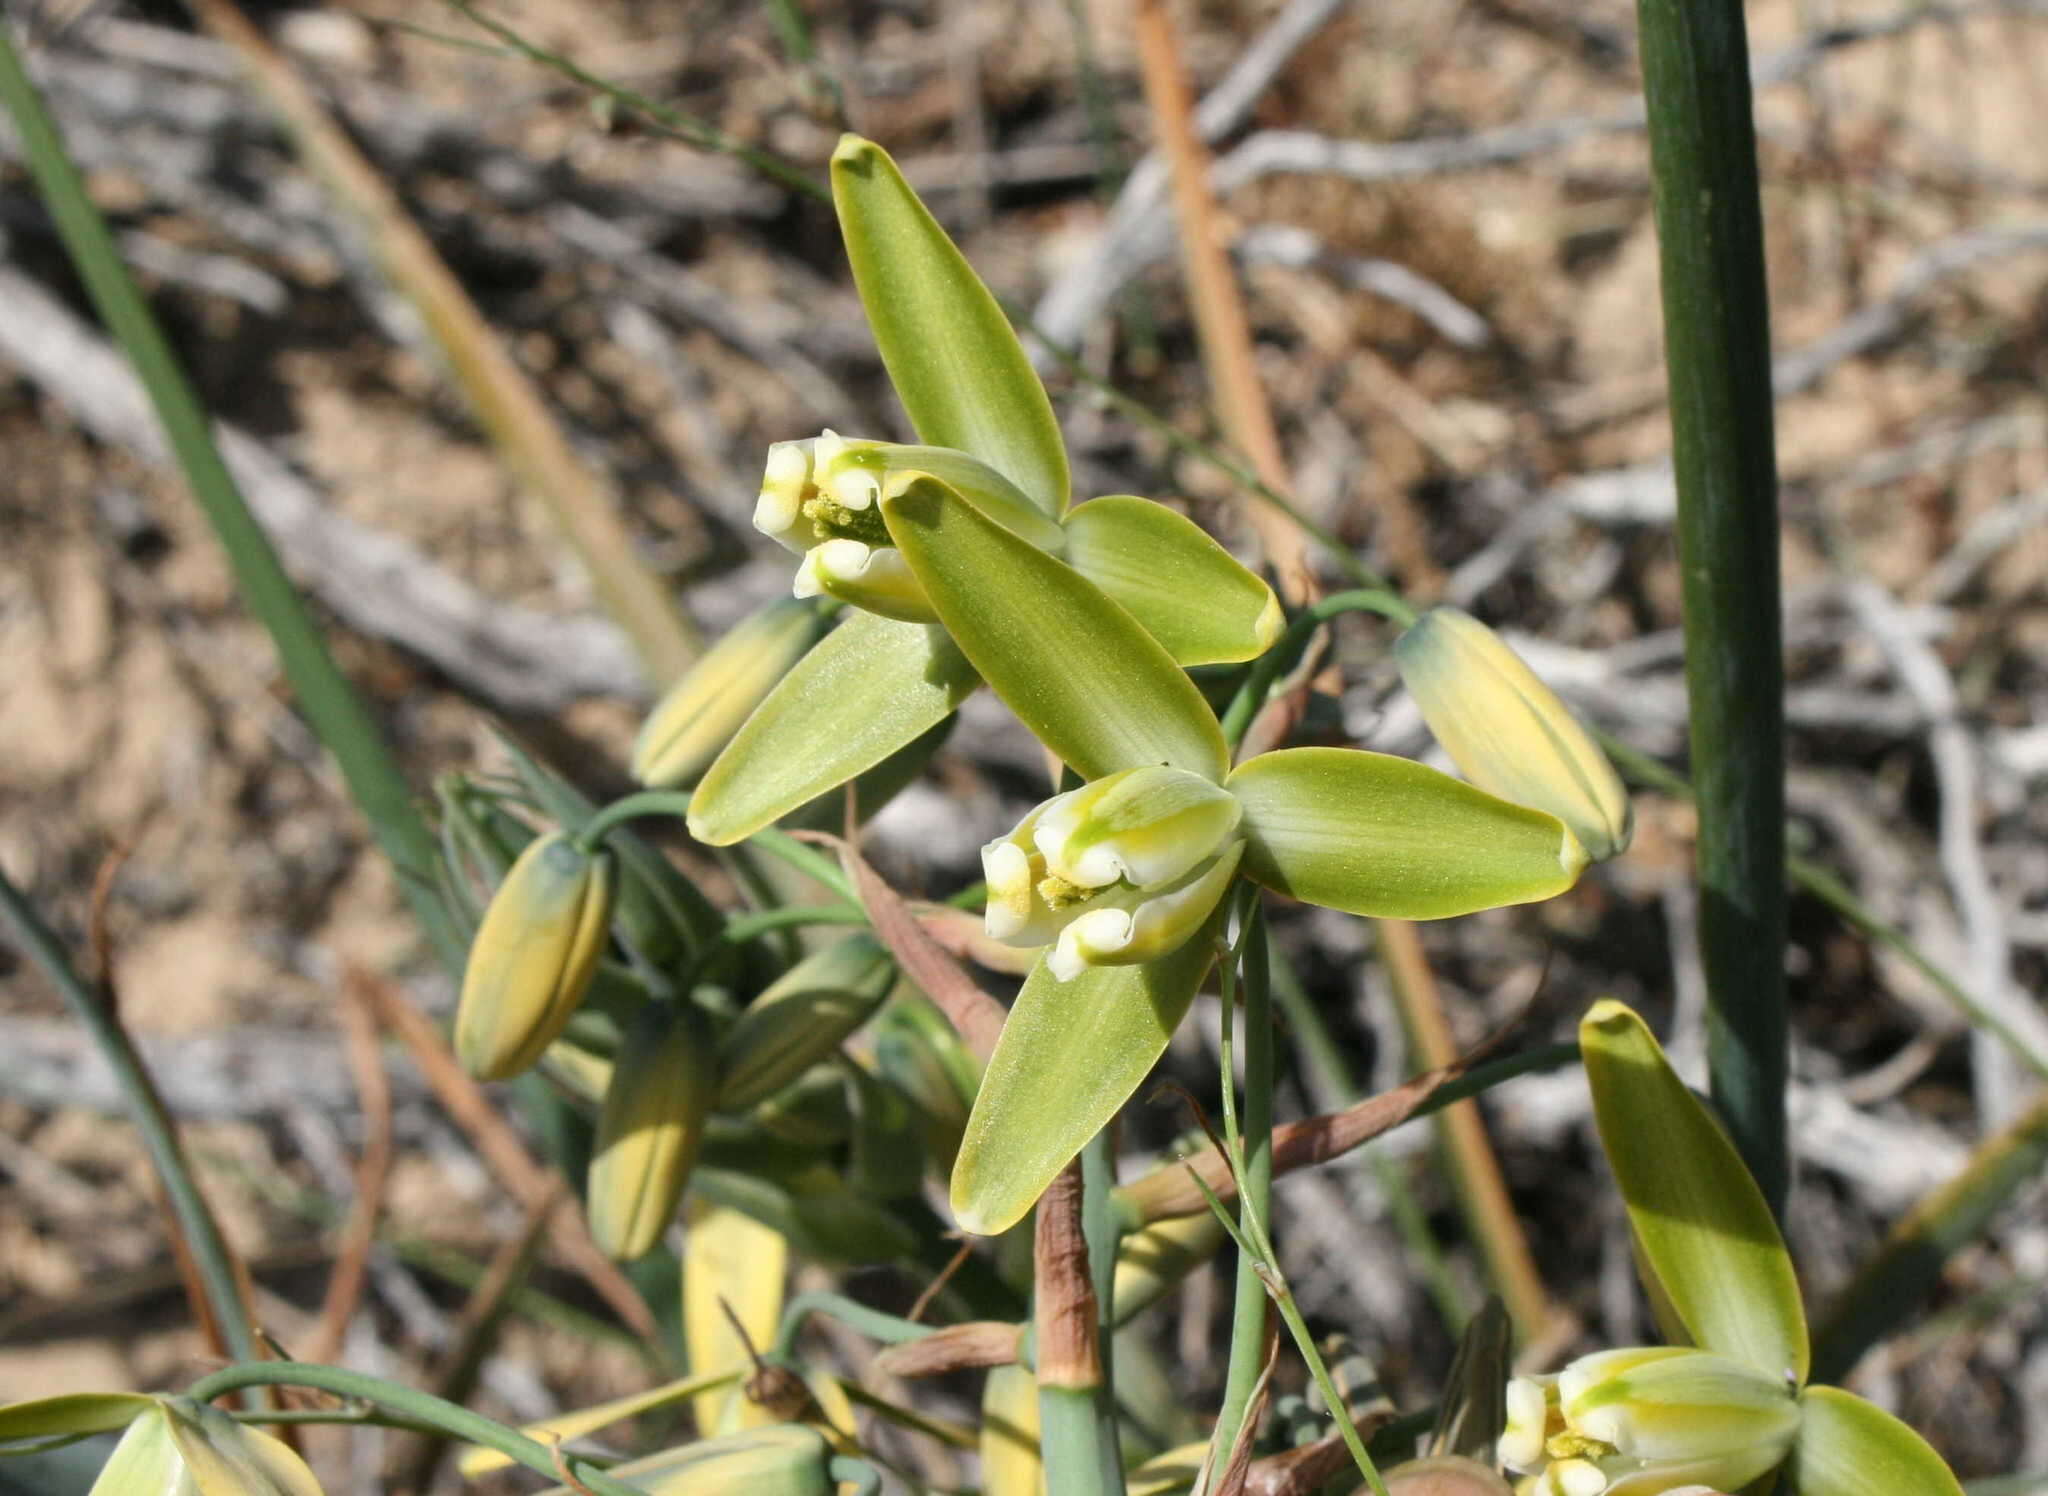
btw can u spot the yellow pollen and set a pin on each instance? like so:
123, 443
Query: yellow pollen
1058, 893
1576, 1446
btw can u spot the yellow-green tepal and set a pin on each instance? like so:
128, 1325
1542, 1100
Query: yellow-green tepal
662, 1087
702, 711
1648, 1421
183, 1448
785, 1459
1508, 732
533, 956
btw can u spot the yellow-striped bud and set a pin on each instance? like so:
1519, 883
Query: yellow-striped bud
784, 1459
1152, 1261
179, 1447
1119, 871
1011, 1464
801, 1018
661, 1090
1648, 1422
1508, 732
703, 709
533, 956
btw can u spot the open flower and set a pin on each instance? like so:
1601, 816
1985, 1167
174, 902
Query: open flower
1680, 1421
1647, 1421
1119, 871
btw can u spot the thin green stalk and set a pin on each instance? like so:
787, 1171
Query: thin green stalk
890, 1329
1286, 650
1336, 1088
1896, 1281
1258, 1248
331, 706
210, 1256
1695, 61
1821, 882
1251, 1143
685, 127
1103, 1233
420, 1407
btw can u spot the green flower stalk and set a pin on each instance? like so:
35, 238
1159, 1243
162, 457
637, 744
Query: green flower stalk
533, 956
1647, 1421
1508, 732
702, 710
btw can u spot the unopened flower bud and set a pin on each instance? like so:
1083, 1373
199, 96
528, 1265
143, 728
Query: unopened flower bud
822, 499
533, 956
1648, 1422
662, 1086
703, 709
1118, 871
1508, 732
802, 1017
783, 1459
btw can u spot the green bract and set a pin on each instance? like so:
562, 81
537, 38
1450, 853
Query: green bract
1648, 1420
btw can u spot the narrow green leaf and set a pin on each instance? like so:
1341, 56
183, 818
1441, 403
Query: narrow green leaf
1191, 595
1848, 1447
1088, 681
869, 687
956, 363
1388, 837
1071, 1054
77, 1414
1891, 1285
1702, 1228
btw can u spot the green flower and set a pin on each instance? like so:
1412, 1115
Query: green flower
1659, 1421
1646, 1421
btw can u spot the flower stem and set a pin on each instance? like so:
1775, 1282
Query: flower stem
1695, 60
420, 1407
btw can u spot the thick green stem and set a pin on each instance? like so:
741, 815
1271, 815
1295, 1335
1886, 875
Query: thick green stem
1255, 1183
210, 1256
1695, 59
324, 694
420, 1407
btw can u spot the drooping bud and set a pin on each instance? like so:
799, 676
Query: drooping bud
822, 499
1119, 871
662, 1086
703, 709
801, 1018
1153, 1260
1508, 732
533, 956
1648, 1422
784, 1459
183, 1446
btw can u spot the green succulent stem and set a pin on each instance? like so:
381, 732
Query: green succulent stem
409, 1403
1695, 61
